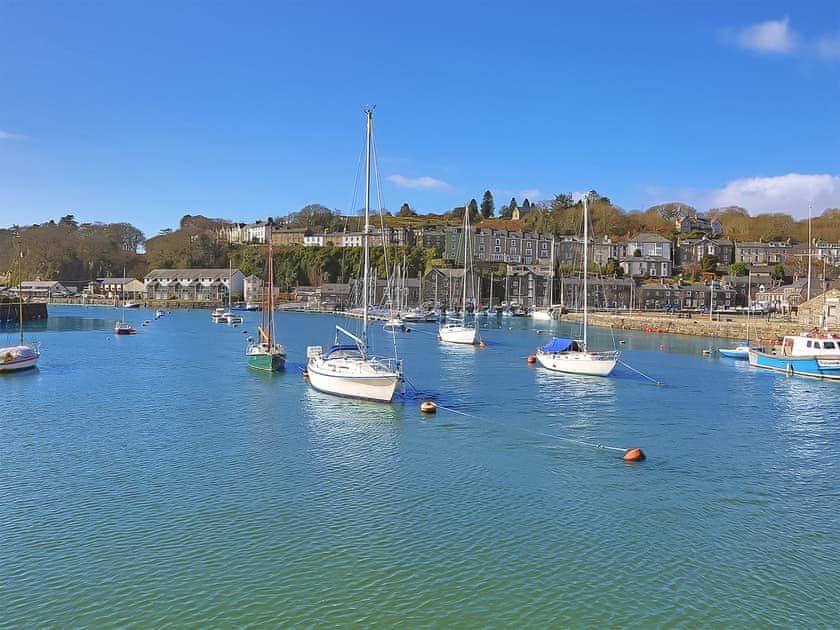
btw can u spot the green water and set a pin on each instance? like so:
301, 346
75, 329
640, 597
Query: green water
156, 481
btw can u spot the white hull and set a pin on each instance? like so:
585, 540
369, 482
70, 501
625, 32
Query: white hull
541, 315
21, 357
451, 333
353, 378
575, 362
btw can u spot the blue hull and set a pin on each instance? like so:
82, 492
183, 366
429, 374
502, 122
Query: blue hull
812, 367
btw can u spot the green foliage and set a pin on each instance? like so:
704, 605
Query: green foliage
738, 269
709, 263
778, 272
488, 207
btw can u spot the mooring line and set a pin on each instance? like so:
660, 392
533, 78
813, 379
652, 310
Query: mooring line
640, 373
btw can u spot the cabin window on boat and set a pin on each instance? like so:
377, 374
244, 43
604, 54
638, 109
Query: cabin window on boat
809, 343
828, 345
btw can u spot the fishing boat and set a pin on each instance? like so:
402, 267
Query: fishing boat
455, 329
813, 354
345, 368
573, 356
22, 355
266, 354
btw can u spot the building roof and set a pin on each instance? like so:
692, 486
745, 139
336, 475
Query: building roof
190, 274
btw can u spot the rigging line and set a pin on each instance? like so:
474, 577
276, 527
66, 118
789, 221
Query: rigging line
640, 373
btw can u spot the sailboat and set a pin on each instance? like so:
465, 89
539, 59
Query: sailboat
21, 356
394, 321
229, 316
346, 369
573, 355
456, 329
266, 354
547, 312
123, 327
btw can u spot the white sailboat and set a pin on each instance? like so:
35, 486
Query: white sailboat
22, 355
346, 369
573, 355
456, 329
122, 326
547, 311
228, 315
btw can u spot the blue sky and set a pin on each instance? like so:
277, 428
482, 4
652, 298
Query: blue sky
145, 111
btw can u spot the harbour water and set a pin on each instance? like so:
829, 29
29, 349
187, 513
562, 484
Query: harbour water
154, 480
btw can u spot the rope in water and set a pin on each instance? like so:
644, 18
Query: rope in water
640, 373
523, 429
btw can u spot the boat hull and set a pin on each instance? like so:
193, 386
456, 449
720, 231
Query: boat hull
586, 363
741, 354
266, 361
17, 358
457, 334
825, 367
353, 381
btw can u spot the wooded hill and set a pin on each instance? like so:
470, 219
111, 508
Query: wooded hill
68, 251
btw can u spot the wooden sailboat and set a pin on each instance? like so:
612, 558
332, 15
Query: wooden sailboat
22, 355
573, 355
346, 369
456, 329
265, 353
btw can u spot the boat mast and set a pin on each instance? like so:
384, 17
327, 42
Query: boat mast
809, 254
270, 298
466, 255
585, 265
366, 233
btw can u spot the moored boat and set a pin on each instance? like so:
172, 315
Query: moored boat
813, 355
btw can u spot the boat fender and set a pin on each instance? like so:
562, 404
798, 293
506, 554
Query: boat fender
789, 370
481, 344
532, 359
7, 357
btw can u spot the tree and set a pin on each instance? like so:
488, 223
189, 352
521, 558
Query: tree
738, 269
406, 211
473, 207
562, 201
709, 263
488, 208
778, 273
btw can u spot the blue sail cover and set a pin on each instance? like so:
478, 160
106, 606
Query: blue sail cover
557, 345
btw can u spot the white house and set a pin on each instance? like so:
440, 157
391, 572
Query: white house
193, 284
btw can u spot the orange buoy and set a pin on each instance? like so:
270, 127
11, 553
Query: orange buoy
532, 359
427, 406
648, 330
481, 344
634, 455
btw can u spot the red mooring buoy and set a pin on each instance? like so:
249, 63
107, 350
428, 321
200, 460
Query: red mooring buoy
532, 359
634, 455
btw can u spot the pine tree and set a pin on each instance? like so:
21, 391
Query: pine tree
488, 208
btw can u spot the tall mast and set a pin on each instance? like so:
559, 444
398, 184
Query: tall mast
270, 300
585, 266
367, 223
809, 254
466, 254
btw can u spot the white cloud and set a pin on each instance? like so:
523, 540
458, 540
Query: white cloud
772, 36
5, 135
790, 194
418, 183
828, 47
